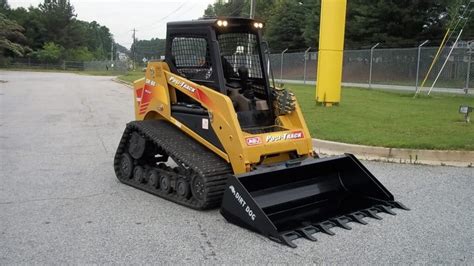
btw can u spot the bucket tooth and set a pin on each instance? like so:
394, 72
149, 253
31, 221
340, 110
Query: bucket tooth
356, 217
288, 239
307, 232
372, 214
399, 205
341, 223
385, 209
323, 227
286, 202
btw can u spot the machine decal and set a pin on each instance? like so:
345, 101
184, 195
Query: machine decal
197, 93
182, 84
151, 82
286, 136
144, 96
242, 203
253, 141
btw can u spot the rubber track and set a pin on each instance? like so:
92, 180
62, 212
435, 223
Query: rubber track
183, 149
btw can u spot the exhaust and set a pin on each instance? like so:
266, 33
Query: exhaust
301, 198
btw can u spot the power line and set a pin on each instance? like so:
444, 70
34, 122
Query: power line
165, 17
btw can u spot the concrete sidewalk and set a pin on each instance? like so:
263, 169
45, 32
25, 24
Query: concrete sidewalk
396, 155
384, 87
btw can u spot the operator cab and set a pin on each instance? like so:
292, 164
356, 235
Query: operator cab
226, 55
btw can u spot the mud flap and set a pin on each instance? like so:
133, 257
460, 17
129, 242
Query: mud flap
299, 199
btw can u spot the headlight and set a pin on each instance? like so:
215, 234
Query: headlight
222, 23
258, 25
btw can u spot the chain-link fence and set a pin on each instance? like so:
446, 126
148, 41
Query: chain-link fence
397, 67
96, 66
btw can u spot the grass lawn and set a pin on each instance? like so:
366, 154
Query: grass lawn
132, 76
383, 118
389, 119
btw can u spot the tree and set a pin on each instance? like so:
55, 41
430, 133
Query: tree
11, 37
394, 23
234, 8
58, 18
149, 49
54, 21
285, 26
79, 54
4, 7
51, 52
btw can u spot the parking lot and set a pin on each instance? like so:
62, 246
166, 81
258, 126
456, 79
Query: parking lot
61, 203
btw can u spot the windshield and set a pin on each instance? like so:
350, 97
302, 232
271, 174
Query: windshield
240, 49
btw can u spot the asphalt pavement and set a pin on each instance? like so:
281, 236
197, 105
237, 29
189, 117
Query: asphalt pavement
61, 203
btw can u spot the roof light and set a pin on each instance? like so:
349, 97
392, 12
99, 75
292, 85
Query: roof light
222, 23
258, 25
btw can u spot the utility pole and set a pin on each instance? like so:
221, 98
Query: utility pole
133, 47
252, 9
112, 51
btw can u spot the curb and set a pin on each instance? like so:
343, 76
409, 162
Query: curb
128, 84
397, 155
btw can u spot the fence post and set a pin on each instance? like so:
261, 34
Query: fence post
371, 61
470, 45
418, 64
305, 61
281, 65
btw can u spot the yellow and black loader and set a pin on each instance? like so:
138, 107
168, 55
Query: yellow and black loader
212, 130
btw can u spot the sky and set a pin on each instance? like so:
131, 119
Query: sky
148, 17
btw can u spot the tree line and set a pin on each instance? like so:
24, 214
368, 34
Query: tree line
51, 32
294, 24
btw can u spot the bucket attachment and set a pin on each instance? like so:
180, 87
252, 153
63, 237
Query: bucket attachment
301, 198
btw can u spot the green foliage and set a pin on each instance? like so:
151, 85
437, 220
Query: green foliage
54, 21
285, 27
79, 54
295, 24
51, 52
149, 49
11, 37
233, 8
4, 6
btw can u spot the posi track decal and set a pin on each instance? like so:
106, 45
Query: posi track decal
182, 84
286, 136
242, 203
196, 93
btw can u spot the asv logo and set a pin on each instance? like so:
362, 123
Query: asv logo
253, 141
242, 203
286, 136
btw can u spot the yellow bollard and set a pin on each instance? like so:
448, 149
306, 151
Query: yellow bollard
331, 46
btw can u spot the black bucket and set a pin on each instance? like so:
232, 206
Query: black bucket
301, 198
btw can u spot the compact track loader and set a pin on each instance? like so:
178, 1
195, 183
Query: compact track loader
212, 131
